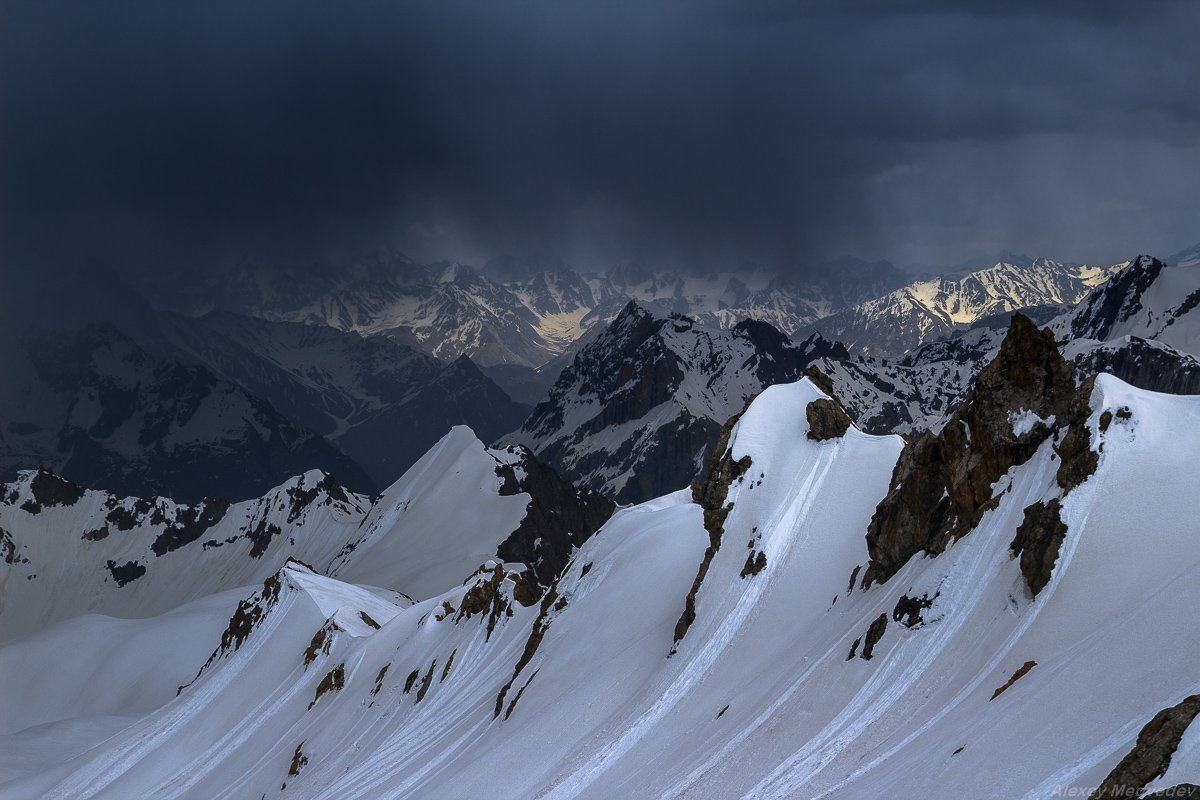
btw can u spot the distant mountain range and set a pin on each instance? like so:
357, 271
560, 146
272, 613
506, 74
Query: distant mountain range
640, 407
925, 310
525, 315
227, 406
360, 369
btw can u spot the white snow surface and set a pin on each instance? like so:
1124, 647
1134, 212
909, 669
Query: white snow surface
439, 521
759, 699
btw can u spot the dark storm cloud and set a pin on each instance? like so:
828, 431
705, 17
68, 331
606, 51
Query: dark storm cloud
151, 133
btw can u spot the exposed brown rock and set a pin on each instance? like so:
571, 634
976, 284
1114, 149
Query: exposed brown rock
426, 681
485, 596
320, 643
942, 484
908, 609
756, 562
1151, 755
874, 634
48, 490
245, 619
826, 420
333, 681
558, 519
1077, 459
299, 761
511, 706
536, 634
710, 496
1038, 540
1016, 676
188, 525
8, 548
379, 679
125, 573
820, 379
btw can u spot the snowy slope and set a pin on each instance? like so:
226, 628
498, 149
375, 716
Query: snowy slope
68, 551
472, 693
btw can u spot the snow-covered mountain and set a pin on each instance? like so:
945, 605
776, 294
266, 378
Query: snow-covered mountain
71, 551
902, 320
1004, 609
525, 312
638, 410
381, 402
94, 406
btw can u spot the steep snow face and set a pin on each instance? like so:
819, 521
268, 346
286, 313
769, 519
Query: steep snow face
444, 517
792, 681
68, 551
930, 309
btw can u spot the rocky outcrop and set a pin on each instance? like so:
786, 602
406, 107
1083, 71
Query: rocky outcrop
47, 490
874, 634
1118, 300
1077, 458
1144, 364
826, 420
942, 483
558, 519
1037, 542
908, 610
1021, 672
1151, 755
710, 495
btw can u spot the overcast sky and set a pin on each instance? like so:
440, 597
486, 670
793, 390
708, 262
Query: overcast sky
170, 135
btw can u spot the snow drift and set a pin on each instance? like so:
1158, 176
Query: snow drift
790, 678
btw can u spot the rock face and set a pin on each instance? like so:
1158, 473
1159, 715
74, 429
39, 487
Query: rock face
559, 518
942, 483
1038, 541
1151, 755
638, 411
826, 420
710, 495
1102, 311
1145, 364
